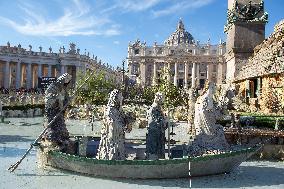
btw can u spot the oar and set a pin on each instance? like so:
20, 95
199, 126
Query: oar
14, 166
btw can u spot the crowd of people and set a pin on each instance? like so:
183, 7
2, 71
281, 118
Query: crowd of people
21, 91
22, 96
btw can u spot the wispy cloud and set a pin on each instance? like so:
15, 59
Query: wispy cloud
182, 5
116, 42
131, 5
76, 20
137, 5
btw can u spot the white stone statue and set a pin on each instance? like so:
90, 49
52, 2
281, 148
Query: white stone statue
209, 135
115, 124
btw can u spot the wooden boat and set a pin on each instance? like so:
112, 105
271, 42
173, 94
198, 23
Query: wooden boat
150, 169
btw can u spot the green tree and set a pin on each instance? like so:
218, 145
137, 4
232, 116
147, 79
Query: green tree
172, 94
96, 89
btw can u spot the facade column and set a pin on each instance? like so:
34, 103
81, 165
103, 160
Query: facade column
193, 75
185, 75
219, 73
18, 75
29, 76
7, 75
130, 68
169, 72
197, 76
176, 74
142, 73
154, 74
209, 72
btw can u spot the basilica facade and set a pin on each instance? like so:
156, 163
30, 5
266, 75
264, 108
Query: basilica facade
22, 68
181, 59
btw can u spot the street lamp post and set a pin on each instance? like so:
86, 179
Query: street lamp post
123, 76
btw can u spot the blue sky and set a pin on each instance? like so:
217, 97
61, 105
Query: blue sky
105, 27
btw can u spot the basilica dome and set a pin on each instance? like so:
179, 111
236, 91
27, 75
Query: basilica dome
180, 36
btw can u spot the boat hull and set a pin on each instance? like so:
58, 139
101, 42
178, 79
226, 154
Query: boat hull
150, 169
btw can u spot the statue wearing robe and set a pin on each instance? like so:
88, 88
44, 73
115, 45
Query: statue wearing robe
155, 138
209, 135
115, 124
56, 97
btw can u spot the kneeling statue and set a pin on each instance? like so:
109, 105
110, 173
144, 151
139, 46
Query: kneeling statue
210, 136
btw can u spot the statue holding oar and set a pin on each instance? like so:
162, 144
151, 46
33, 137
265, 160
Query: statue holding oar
56, 96
54, 119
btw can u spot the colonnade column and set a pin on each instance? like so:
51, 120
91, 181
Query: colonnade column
176, 74
7, 75
29, 76
193, 75
63, 69
39, 70
154, 74
49, 73
185, 75
18, 75
78, 70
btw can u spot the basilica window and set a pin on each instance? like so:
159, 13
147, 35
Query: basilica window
136, 51
160, 51
214, 68
135, 68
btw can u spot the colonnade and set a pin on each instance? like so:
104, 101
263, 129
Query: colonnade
26, 74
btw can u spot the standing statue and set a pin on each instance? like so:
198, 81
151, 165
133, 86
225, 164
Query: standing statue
56, 97
115, 124
209, 135
155, 138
